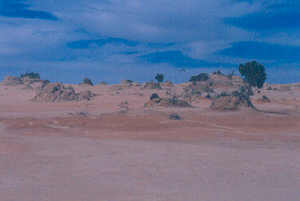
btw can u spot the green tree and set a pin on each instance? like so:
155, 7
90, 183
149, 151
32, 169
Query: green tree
159, 77
253, 73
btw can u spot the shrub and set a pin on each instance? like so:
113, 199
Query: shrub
174, 116
159, 77
87, 81
174, 101
44, 83
246, 90
31, 75
253, 73
154, 96
265, 99
200, 77
218, 72
223, 93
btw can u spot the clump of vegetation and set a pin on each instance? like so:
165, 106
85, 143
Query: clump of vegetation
82, 114
174, 116
199, 78
223, 93
246, 90
174, 101
44, 83
154, 96
265, 99
253, 73
31, 75
87, 81
231, 101
159, 77
218, 72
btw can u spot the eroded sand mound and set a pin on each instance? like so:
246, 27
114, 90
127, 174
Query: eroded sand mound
127, 83
12, 81
231, 101
151, 85
102, 83
85, 95
35, 84
27, 81
57, 92
167, 84
213, 87
196, 90
155, 100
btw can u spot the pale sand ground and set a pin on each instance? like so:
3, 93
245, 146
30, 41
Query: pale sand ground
49, 154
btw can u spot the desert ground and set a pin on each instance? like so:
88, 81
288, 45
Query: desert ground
113, 148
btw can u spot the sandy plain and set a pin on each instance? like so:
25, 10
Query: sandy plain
97, 151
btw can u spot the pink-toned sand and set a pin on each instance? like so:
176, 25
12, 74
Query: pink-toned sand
94, 151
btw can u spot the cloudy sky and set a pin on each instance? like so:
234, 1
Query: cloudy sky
111, 40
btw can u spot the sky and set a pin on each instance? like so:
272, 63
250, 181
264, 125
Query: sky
113, 40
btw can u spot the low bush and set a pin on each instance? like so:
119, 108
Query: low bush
154, 96
31, 75
218, 72
199, 78
174, 116
87, 81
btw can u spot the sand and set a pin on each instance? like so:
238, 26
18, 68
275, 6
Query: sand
97, 151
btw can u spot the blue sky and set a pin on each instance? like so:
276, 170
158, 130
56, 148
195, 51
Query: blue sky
111, 40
